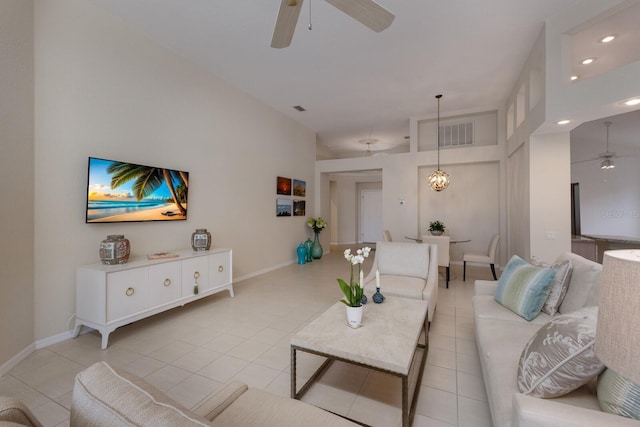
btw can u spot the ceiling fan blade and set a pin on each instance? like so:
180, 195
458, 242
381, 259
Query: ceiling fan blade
584, 161
367, 12
286, 23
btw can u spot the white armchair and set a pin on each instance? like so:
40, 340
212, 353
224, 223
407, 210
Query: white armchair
408, 270
443, 251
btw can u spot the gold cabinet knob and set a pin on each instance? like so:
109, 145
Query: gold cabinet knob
220, 268
196, 275
129, 292
167, 282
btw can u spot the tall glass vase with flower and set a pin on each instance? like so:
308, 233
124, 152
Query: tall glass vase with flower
353, 290
318, 224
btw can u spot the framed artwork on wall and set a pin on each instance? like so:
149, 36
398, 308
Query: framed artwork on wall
283, 186
283, 207
299, 207
299, 188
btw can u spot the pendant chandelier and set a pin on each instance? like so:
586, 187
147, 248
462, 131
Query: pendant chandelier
439, 179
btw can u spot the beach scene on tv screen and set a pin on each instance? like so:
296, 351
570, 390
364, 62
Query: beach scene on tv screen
122, 192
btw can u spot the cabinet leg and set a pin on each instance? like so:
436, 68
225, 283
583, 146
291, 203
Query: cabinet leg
76, 330
105, 339
230, 289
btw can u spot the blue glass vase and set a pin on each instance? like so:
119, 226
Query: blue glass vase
308, 245
316, 250
302, 254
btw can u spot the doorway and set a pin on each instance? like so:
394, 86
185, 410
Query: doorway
370, 216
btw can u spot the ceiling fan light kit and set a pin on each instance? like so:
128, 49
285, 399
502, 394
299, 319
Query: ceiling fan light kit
438, 180
367, 12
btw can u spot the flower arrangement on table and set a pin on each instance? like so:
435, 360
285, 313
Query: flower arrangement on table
353, 290
318, 224
436, 227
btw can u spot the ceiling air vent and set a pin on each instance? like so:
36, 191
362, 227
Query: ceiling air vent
457, 134
299, 108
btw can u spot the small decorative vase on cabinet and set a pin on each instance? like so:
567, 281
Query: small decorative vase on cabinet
308, 246
115, 249
316, 250
201, 240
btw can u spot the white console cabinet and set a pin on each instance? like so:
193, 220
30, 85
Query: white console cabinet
110, 296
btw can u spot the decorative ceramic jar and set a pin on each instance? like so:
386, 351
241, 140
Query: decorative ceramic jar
308, 245
115, 249
378, 298
436, 232
302, 254
201, 240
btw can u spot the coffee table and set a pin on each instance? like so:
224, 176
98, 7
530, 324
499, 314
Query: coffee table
388, 341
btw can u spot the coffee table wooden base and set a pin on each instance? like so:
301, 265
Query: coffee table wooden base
408, 411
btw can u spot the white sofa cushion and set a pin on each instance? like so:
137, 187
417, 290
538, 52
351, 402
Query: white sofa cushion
403, 259
115, 398
584, 284
560, 357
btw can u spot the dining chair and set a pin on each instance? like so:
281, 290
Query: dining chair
442, 242
487, 258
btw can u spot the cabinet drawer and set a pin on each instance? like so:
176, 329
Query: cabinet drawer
127, 292
191, 268
164, 283
219, 269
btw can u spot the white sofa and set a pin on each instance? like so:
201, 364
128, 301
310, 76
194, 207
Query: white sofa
408, 270
501, 336
103, 396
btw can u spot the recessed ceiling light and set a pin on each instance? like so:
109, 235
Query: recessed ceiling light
609, 38
574, 78
631, 102
587, 61
564, 122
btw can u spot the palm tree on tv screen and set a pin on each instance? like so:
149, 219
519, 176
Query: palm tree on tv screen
148, 180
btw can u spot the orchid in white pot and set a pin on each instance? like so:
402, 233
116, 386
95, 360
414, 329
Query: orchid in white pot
353, 291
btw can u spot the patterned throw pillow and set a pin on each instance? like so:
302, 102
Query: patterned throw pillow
559, 285
560, 357
618, 395
523, 288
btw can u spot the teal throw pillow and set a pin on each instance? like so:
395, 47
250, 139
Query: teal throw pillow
618, 395
523, 288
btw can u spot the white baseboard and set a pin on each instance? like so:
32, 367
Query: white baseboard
263, 271
46, 342
11, 363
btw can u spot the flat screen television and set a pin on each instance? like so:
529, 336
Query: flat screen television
128, 192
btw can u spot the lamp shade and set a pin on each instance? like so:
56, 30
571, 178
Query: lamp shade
618, 329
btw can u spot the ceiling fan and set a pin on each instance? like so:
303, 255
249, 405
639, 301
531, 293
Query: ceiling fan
606, 157
367, 12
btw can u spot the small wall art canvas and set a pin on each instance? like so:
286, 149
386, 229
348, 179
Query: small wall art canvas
299, 188
299, 207
283, 186
283, 207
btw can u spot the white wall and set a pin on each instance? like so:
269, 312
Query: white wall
471, 209
609, 199
550, 201
16, 179
105, 90
405, 197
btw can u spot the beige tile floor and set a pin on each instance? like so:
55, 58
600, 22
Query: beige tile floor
193, 350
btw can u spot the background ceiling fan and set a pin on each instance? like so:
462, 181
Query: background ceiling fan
367, 12
606, 157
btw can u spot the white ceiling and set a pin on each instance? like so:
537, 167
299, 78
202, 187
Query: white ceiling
353, 82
